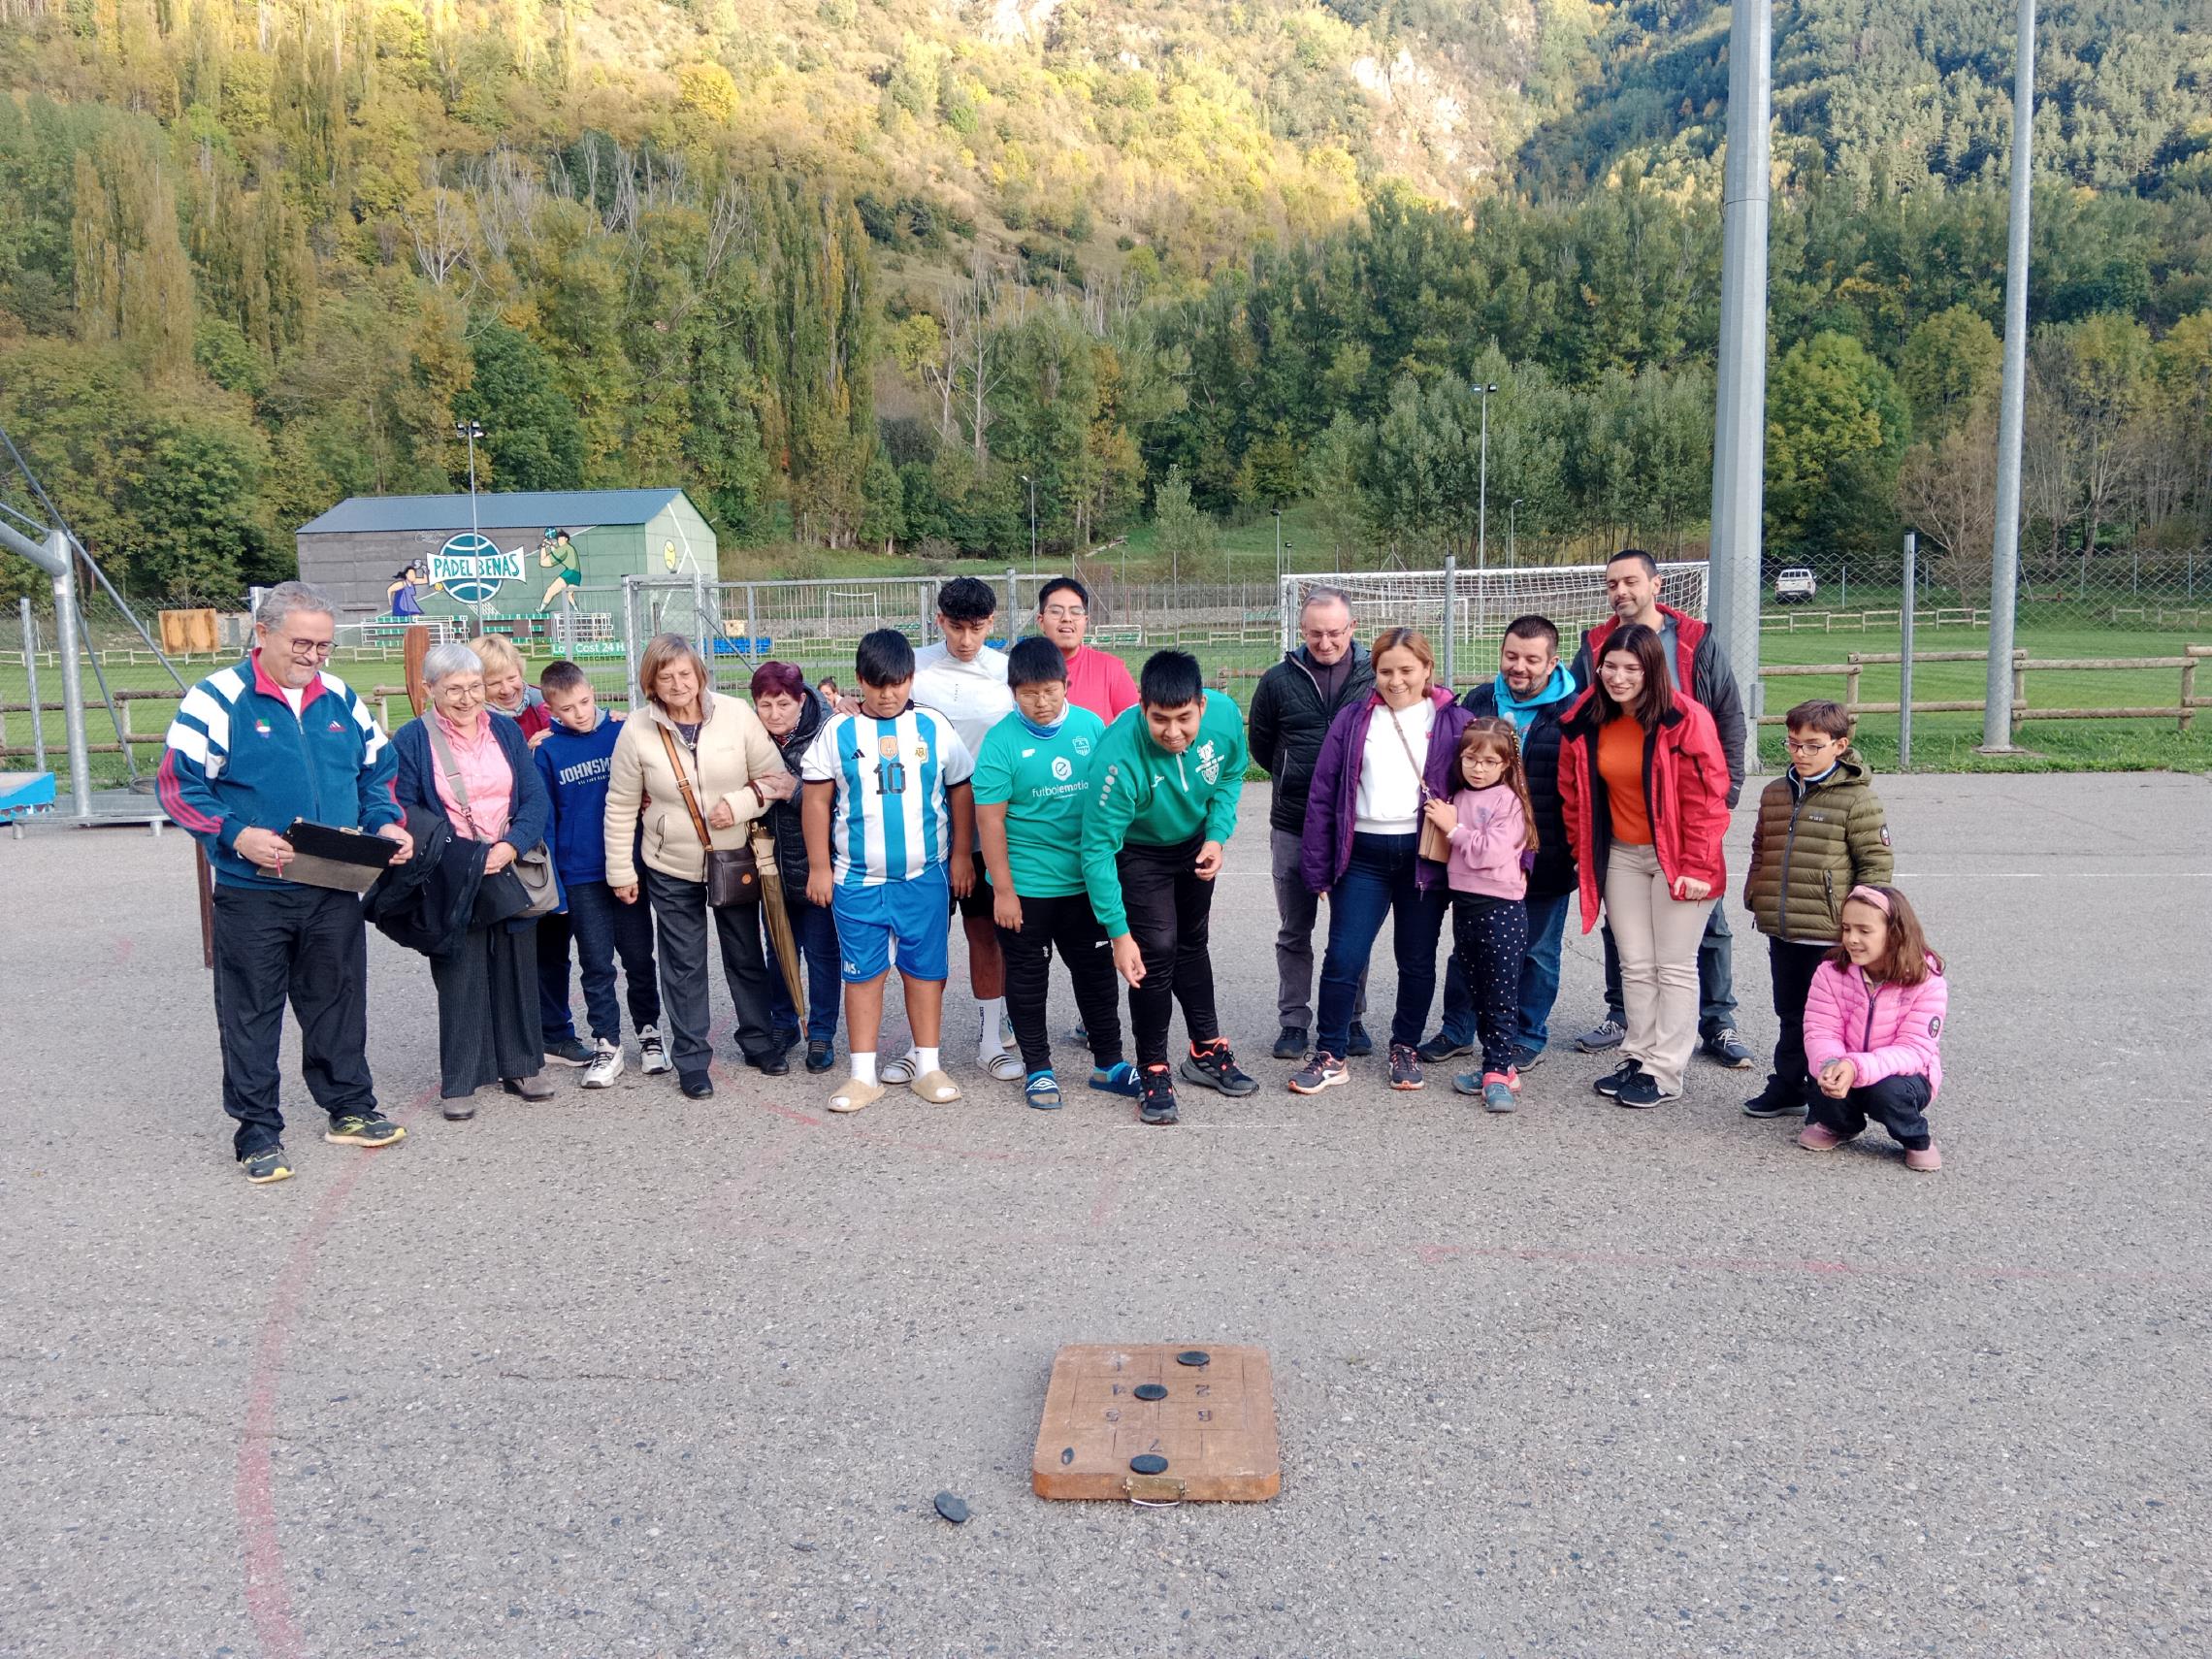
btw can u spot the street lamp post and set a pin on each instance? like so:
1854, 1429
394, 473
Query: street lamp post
1483, 487
1278, 554
1513, 545
1032, 483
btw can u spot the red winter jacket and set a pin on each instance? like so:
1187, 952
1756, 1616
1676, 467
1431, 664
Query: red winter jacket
1685, 792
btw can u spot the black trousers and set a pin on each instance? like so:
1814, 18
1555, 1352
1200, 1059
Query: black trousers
1170, 914
1489, 937
1069, 924
682, 920
1900, 1104
305, 945
487, 1010
1792, 966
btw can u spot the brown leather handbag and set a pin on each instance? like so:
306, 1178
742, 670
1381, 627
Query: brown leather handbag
733, 873
1436, 844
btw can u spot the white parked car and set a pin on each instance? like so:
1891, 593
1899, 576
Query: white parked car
1795, 586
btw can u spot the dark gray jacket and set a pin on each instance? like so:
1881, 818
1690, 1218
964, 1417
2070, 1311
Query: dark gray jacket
1287, 722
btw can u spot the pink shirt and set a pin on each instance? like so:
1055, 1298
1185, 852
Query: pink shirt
484, 772
1487, 844
1099, 681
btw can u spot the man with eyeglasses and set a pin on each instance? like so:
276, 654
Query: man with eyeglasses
1096, 680
1291, 709
261, 743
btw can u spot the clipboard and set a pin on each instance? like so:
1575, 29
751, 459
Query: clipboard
349, 861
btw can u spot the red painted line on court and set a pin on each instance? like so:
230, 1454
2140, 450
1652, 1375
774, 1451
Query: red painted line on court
268, 1602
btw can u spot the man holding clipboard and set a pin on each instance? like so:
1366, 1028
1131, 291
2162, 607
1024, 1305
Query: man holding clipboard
255, 749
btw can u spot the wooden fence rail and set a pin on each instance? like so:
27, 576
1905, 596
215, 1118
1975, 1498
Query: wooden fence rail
2182, 711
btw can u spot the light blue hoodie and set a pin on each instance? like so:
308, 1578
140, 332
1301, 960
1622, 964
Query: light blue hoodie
1557, 689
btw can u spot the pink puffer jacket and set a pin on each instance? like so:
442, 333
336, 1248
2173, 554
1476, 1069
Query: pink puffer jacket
1883, 1029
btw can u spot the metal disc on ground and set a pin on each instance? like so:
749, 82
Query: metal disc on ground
1149, 1463
1193, 1356
954, 1509
1149, 1391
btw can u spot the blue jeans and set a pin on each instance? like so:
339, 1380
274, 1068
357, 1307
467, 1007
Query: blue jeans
603, 927
1539, 980
1379, 881
815, 930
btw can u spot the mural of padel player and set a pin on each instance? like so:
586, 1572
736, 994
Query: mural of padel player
404, 597
557, 553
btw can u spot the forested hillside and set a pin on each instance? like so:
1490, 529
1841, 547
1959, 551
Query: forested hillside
853, 272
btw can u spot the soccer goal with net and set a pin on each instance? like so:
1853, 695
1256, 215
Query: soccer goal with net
1478, 604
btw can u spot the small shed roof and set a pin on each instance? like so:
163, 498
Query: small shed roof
514, 509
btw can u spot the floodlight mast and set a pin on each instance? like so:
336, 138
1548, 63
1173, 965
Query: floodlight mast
51, 555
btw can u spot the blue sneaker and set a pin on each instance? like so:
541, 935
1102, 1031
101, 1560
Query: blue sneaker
1120, 1078
1042, 1091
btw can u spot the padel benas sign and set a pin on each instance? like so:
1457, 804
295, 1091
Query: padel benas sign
470, 569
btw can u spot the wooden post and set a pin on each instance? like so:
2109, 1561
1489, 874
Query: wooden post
2188, 686
2019, 688
1851, 688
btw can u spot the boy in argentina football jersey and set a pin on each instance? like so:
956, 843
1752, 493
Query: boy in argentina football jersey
890, 842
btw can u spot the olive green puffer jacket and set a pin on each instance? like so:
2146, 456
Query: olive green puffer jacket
1807, 855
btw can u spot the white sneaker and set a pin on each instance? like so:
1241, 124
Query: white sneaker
605, 1066
652, 1058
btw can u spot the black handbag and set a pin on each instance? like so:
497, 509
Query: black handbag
732, 874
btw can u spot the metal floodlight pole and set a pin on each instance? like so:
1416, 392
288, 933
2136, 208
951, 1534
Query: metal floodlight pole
2004, 555
1482, 490
1905, 655
1512, 542
1451, 619
1739, 414
66, 628
1032, 483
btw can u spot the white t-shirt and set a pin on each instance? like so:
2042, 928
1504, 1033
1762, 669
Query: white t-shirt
297, 698
972, 696
1389, 802
890, 822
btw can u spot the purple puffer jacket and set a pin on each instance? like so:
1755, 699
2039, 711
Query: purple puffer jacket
1333, 805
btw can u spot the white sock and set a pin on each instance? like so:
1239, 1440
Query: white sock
863, 1067
993, 1041
925, 1062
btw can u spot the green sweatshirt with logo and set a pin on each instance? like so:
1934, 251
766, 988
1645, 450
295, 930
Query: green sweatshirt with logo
1143, 796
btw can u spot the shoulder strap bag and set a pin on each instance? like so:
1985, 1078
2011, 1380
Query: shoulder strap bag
733, 873
532, 871
1436, 844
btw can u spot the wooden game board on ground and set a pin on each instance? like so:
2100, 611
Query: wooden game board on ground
1213, 1427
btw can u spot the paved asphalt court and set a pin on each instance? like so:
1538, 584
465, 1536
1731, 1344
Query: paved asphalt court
630, 1375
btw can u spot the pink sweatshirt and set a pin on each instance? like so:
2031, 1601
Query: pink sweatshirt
1487, 844
1099, 681
1883, 1029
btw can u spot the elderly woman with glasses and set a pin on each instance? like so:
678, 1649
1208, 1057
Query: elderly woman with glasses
475, 770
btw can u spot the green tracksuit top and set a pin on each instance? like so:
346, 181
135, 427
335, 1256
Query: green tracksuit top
1142, 795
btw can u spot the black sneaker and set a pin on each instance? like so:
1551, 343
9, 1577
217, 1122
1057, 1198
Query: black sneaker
1440, 1047
1641, 1093
265, 1165
1776, 1101
1610, 1084
572, 1050
1361, 1044
1155, 1096
1724, 1048
820, 1055
1405, 1067
1290, 1043
362, 1129
1527, 1059
696, 1085
788, 1036
1217, 1068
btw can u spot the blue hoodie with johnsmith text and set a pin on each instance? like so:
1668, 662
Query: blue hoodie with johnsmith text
575, 765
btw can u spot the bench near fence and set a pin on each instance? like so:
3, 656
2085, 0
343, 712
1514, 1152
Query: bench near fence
2182, 711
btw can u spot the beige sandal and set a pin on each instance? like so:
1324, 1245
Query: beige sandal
854, 1096
936, 1088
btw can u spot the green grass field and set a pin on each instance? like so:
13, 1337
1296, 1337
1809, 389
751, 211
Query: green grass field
1941, 742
